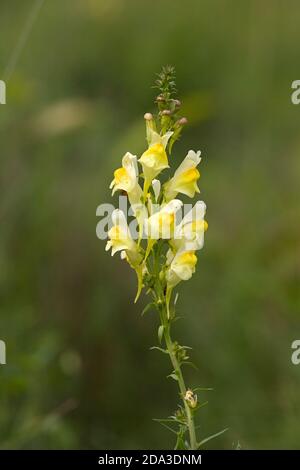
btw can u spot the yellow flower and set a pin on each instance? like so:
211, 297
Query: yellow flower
161, 223
126, 177
185, 177
154, 159
120, 240
119, 235
190, 231
181, 268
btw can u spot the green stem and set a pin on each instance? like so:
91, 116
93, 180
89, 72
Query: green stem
160, 298
182, 386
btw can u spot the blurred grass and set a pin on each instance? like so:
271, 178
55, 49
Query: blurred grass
79, 372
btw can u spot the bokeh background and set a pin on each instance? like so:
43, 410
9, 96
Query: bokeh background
79, 371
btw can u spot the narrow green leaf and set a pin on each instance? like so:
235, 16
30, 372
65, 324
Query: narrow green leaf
172, 419
202, 404
191, 364
201, 389
165, 426
173, 376
147, 308
178, 317
159, 349
164, 420
212, 437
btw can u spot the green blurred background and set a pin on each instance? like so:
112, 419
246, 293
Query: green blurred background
79, 371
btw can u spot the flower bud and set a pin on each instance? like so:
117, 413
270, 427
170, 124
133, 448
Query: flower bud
182, 122
148, 116
166, 112
191, 398
150, 125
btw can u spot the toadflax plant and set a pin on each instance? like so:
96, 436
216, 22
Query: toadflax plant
163, 249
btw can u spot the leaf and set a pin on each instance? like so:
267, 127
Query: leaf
173, 376
179, 421
202, 404
178, 317
189, 363
168, 427
147, 308
201, 389
171, 419
159, 349
212, 437
160, 333
162, 423
164, 420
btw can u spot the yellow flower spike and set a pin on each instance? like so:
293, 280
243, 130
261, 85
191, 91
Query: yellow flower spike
185, 177
171, 245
